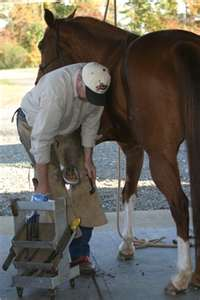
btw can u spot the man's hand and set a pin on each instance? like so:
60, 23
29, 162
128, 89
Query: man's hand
91, 171
89, 165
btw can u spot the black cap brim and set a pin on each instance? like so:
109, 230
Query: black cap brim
94, 98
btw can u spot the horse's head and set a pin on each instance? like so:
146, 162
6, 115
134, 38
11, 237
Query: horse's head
52, 52
81, 39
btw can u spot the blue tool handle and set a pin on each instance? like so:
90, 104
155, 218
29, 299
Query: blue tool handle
39, 197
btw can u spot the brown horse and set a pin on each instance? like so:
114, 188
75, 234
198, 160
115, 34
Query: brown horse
153, 106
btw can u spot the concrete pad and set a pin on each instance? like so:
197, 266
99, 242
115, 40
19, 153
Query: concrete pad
143, 278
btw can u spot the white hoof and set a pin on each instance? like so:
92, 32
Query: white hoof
126, 251
181, 280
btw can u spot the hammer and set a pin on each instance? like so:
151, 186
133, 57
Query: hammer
93, 188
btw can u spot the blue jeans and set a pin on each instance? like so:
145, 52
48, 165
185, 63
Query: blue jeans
80, 246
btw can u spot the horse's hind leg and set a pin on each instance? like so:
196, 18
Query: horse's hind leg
165, 174
134, 160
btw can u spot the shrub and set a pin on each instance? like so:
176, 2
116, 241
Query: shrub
12, 56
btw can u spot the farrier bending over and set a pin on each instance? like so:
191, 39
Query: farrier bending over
63, 101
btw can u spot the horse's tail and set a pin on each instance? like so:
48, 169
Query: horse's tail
189, 67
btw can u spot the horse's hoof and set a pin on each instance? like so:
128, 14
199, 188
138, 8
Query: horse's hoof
195, 281
171, 290
125, 256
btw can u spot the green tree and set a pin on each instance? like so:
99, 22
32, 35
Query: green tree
59, 9
166, 8
84, 7
142, 16
151, 15
167, 13
91, 8
192, 11
12, 56
26, 27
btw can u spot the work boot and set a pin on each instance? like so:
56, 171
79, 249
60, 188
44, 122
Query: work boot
85, 265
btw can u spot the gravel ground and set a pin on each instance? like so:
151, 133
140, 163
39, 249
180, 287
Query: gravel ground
16, 173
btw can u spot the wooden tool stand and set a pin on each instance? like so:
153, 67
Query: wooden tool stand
45, 262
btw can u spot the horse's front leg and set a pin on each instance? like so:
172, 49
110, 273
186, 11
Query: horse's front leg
134, 160
126, 248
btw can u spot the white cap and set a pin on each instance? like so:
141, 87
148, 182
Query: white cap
97, 80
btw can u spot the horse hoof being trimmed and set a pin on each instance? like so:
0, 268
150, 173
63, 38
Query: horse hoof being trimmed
171, 290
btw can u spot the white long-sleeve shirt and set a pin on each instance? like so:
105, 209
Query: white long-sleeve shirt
53, 108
